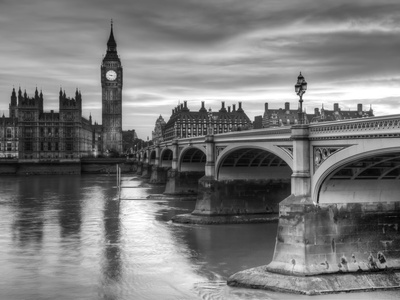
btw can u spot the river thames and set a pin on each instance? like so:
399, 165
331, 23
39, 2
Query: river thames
68, 237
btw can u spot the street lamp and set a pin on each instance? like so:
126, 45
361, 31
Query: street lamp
300, 87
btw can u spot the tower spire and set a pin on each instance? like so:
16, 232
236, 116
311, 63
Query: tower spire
111, 44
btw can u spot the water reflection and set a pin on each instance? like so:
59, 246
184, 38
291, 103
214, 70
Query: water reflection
112, 252
65, 237
28, 213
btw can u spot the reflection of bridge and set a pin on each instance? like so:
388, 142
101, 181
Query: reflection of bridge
339, 181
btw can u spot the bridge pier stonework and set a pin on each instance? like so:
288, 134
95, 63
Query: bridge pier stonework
158, 174
180, 183
146, 170
234, 200
139, 168
328, 247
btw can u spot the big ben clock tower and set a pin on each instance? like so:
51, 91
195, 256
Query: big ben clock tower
111, 87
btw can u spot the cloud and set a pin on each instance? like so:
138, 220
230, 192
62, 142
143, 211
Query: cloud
213, 51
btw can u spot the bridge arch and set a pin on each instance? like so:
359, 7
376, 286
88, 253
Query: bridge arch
166, 157
255, 162
192, 159
351, 176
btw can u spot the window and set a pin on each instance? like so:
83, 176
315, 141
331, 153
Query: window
28, 146
28, 132
9, 147
48, 146
56, 146
9, 133
41, 146
68, 146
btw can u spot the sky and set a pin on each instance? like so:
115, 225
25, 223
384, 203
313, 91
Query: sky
204, 50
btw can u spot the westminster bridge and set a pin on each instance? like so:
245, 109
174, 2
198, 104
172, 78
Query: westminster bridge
336, 186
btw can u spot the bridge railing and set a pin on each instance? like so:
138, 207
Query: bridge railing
384, 125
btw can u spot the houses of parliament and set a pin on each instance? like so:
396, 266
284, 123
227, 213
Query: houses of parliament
32, 133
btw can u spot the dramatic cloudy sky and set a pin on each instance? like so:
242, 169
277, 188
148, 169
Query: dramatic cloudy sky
204, 50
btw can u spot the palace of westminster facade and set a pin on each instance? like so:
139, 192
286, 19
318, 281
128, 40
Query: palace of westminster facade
31, 133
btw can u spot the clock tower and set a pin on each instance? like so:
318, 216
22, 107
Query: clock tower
111, 90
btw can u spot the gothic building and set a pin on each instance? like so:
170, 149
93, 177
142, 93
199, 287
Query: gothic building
32, 133
111, 87
184, 123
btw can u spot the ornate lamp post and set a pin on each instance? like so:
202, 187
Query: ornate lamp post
300, 87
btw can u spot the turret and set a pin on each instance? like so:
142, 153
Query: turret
19, 96
13, 104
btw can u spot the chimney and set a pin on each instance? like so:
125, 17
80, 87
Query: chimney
287, 106
240, 107
223, 109
229, 109
173, 110
336, 106
202, 105
359, 107
233, 107
316, 111
266, 106
181, 106
185, 104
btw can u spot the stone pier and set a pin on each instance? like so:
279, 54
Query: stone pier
331, 248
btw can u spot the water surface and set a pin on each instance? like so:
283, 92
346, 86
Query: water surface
68, 237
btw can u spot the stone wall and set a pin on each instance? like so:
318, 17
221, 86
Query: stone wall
8, 167
62, 167
49, 168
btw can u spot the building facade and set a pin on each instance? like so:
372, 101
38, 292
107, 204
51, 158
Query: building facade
184, 123
157, 135
286, 116
32, 133
111, 87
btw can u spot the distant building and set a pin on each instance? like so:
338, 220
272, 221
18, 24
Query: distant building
158, 132
184, 123
324, 115
32, 133
128, 140
258, 122
286, 116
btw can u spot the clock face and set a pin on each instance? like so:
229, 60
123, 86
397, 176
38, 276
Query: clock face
111, 75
